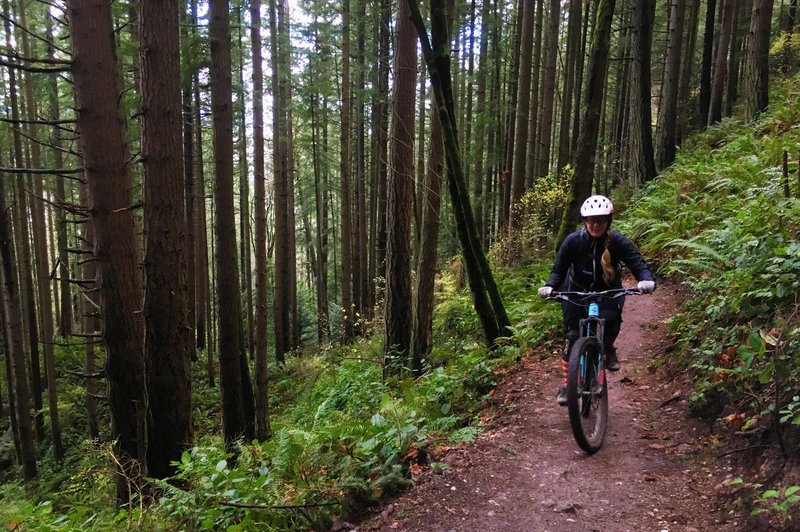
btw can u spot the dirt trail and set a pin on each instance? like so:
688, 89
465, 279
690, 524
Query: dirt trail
525, 472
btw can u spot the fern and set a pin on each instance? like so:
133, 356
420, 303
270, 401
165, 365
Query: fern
701, 249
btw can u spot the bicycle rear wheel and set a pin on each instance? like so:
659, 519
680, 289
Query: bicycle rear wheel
587, 397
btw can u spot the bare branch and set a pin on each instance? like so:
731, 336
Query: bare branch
71, 208
80, 251
129, 208
40, 121
98, 375
82, 282
42, 171
45, 61
33, 69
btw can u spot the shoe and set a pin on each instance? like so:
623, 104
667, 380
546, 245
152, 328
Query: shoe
612, 362
561, 396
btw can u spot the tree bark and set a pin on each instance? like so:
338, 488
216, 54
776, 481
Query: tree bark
643, 167
166, 317
245, 229
573, 43
422, 332
756, 79
704, 98
189, 193
18, 381
42, 269
382, 137
735, 59
65, 314
397, 336
263, 430
361, 156
102, 125
721, 62
545, 134
522, 109
666, 141
281, 309
228, 305
22, 236
344, 182
481, 130
90, 325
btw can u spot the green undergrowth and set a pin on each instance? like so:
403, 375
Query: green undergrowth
721, 221
342, 437
348, 437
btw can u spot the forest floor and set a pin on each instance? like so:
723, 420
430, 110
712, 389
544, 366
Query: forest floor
657, 469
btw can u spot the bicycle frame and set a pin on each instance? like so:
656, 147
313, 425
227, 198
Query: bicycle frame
587, 388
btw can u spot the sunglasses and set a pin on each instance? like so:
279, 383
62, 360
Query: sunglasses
597, 220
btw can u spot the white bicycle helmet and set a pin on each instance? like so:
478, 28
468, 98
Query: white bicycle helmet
597, 206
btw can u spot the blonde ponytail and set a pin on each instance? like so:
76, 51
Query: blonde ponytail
609, 272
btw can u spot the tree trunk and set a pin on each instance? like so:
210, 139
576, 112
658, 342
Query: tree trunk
618, 141
587, 143
418, 191
90, 325
666, 144
281, 195
287, 165
102, 125
533, 118
22, 236
40, 249
346, 204
685, 90
263, 430
228, 305
522, 109
643, 167
361, 156
704, 98
573, 43
166, 320
735, 59
18, 381
756, 78
481, 130
545, 134
721, 63
189, 194
245, 229
422, 332
491, 310
65, 314
321, 212
397, 337
379, 149
509, 119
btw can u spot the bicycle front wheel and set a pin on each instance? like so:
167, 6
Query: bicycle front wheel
587, 395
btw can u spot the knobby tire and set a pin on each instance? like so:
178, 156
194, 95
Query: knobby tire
587, 397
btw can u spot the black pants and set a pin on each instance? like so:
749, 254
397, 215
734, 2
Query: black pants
610, 311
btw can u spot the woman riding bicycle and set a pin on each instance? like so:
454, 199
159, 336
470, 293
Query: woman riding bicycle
589, 261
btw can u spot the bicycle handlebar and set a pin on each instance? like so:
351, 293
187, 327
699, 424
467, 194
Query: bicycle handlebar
609, 294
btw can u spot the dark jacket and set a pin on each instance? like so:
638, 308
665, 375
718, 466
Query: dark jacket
577, 266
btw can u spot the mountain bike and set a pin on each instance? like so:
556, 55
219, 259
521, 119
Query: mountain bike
587, 388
